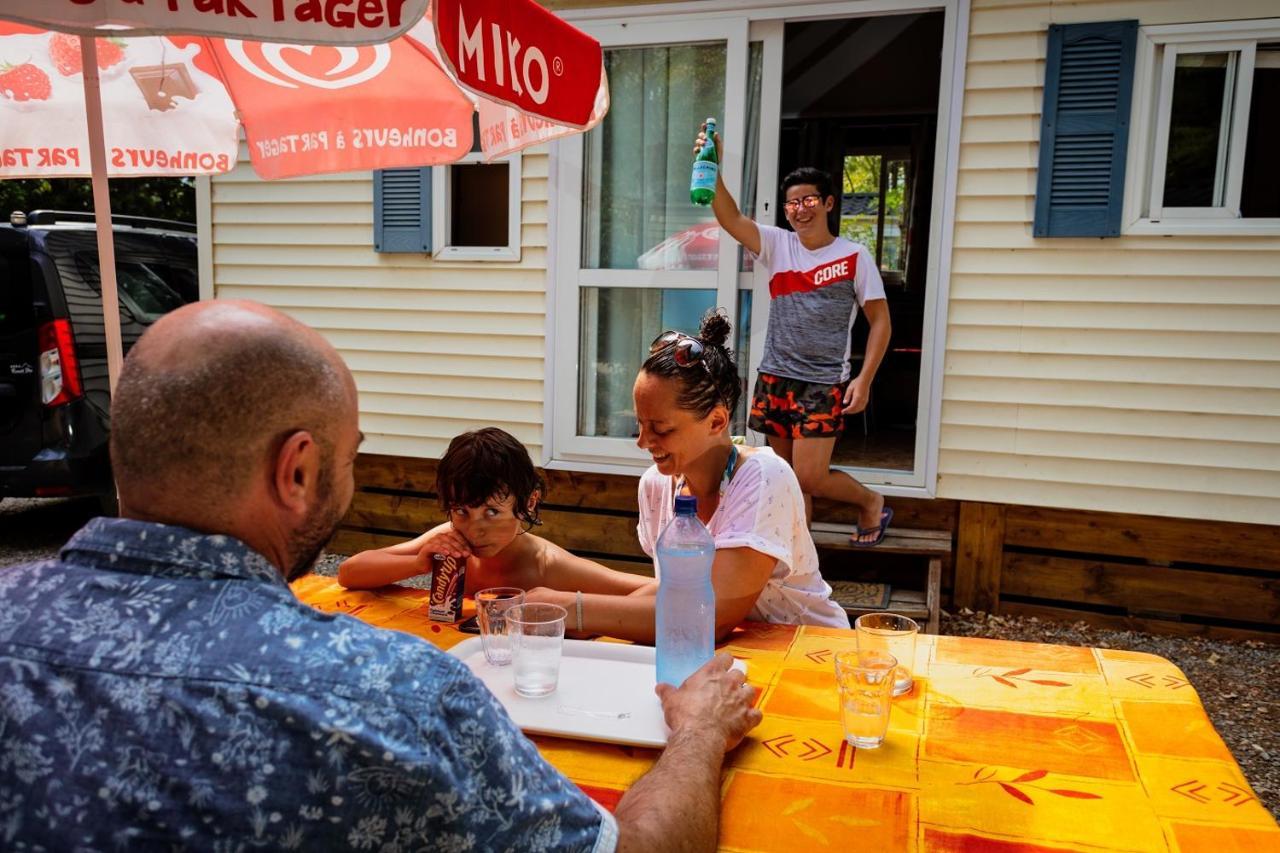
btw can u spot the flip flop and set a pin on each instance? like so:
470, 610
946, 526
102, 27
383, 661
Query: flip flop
886, 516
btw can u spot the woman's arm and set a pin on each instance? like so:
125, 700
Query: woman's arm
566, 571
375, 568
738, 575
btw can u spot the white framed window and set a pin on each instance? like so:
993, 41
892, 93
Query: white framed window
1205, 129
634, 256
476, 210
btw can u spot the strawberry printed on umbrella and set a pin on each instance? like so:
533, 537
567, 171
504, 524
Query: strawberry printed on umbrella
24, 82
64, 50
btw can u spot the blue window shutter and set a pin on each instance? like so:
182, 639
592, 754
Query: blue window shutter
1084, 129
402, 210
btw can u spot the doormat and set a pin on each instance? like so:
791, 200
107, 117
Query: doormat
858, 595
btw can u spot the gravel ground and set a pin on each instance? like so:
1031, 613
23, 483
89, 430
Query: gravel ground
1239, 683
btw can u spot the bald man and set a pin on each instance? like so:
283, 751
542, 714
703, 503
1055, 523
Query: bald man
164, 689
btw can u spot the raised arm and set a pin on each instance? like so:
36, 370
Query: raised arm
740, 226
375, 568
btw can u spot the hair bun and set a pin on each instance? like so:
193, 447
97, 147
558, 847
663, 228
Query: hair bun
715, 329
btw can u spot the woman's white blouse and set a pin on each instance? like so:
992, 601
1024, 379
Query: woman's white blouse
762, 509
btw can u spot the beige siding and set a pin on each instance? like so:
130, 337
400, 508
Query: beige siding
1138, 374
436, 347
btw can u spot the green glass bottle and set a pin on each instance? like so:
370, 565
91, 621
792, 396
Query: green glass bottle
706, 166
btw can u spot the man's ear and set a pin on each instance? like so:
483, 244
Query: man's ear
295, 471
534, 500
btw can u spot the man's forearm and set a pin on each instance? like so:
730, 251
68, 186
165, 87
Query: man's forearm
676, 805
877, 344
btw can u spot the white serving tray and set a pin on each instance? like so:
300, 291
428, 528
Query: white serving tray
605, 693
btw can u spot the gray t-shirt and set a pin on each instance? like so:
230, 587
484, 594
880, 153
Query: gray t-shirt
813, 301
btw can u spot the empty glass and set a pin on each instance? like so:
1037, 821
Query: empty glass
491, 610
865, 679
893, 635
537, 642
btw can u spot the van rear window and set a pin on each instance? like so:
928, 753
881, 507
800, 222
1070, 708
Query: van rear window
146, 294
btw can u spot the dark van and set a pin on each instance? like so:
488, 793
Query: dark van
54, 396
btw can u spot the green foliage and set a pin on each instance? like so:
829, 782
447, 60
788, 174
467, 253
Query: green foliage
859, 229
862, 176
165, 198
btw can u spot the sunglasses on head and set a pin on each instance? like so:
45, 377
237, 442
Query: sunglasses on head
808, 201
688, 350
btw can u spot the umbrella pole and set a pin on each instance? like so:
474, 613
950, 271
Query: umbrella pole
102, 210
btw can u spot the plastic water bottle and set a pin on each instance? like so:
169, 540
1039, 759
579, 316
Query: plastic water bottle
686, 600
702, 186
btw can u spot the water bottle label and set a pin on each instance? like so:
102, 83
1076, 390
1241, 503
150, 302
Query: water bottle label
704, 175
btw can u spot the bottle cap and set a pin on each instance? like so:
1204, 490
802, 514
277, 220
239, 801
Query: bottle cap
711, 119
686, 505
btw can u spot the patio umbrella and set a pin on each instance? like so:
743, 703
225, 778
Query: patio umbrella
174, 103
694, 248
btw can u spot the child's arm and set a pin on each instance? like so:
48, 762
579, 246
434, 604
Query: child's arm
375, 568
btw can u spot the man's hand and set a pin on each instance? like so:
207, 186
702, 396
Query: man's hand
715, 698
702, 140
856, 396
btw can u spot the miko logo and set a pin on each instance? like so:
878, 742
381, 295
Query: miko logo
507, 60
278, 63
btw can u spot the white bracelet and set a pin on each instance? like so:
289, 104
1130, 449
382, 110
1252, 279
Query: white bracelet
579, 608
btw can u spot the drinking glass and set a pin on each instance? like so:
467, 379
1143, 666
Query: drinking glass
864, 679
893, 635
537, 642
491, 608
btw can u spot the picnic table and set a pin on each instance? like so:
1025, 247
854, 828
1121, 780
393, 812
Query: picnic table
1000, 746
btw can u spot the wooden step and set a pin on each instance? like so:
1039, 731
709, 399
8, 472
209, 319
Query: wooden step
904, 602
896, 540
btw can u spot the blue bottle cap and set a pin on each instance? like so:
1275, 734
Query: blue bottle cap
686, 505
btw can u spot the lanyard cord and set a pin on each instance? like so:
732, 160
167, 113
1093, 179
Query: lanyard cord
730, 467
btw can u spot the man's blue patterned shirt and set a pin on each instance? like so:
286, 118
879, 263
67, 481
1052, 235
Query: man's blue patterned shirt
162, 688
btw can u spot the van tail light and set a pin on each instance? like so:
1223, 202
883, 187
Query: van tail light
59, 369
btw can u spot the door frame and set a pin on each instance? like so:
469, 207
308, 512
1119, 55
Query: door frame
765, 20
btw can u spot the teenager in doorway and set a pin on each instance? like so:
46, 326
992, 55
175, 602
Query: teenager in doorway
817, 281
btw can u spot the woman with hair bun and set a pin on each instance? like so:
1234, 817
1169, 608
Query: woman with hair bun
766, 567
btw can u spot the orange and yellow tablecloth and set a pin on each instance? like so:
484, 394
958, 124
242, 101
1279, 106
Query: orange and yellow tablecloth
1000, 746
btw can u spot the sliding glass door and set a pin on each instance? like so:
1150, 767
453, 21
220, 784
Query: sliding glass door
634, 256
